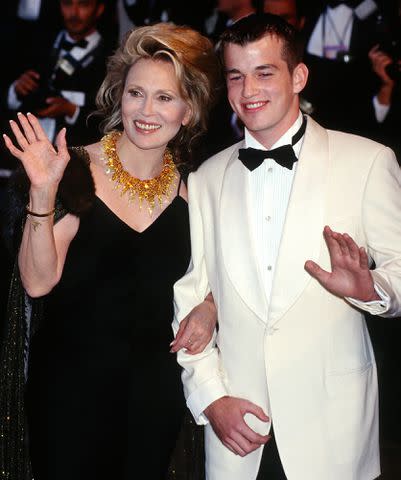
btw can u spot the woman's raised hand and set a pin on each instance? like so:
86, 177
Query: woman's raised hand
43, 164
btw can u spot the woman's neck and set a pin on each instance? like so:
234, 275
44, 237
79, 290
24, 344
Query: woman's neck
140, 163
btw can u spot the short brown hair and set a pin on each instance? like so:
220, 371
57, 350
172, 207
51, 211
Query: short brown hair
257, 25
195, 64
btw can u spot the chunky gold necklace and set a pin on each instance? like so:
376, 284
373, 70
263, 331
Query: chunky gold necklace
147, 190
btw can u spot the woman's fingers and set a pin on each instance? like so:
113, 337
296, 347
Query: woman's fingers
31, 132
22, 141
27, 128
61, 143
179, 341
13, 150
37, 127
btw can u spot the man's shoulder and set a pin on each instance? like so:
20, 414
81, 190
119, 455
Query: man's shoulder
350, 141
362, 152
219, 161
346, 141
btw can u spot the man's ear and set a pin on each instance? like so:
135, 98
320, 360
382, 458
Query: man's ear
299, 77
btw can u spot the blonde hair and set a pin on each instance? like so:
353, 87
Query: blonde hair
196, 68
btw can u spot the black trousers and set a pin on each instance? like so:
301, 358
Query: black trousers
270, 465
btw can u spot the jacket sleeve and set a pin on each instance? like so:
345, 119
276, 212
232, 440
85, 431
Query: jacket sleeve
381, 217
201, 376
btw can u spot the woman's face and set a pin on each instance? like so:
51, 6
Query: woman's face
151, 106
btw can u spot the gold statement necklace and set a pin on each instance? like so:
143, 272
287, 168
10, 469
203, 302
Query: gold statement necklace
148, 190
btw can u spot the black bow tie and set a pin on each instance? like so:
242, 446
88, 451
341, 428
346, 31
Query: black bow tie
252, 157
66, 45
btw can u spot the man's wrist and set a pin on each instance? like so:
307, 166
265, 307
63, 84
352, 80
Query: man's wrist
71, 109
385, 93
373, 297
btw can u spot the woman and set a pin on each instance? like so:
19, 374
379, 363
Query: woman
104, 396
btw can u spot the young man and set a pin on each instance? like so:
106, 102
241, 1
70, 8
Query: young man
292, 348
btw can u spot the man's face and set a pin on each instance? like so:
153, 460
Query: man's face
286, 9
80, 16
261, 90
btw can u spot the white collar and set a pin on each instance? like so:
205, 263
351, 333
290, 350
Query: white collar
250, 141
93, 39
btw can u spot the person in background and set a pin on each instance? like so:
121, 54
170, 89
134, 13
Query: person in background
290, 10
105, 237
385, 58
60, 85
288, 387
339, 35
386, 121
227, 12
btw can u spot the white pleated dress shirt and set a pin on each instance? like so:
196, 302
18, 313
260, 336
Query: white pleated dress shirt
270, 188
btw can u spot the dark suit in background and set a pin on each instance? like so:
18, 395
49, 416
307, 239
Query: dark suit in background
82, 76
340, 90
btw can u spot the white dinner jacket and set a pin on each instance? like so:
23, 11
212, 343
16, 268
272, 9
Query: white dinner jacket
305, 357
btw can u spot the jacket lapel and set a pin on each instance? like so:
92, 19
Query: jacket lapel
237, 238
303, 228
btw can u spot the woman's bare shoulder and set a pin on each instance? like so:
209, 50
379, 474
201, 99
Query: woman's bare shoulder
95, 153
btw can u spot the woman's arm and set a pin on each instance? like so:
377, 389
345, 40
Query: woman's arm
44, 246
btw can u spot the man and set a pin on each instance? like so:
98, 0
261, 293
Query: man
61, 84
292, 348
226, 13
224, 127
339, 36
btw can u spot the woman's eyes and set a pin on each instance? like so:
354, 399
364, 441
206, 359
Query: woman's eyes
134, 93
138, 93
165, 98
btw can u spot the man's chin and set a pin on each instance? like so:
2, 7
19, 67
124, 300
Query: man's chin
76, 29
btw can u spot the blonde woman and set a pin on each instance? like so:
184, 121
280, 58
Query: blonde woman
106, 235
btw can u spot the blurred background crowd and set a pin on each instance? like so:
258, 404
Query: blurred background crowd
352, 49
54, 52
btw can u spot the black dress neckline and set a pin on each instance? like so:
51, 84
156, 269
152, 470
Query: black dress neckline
165, 211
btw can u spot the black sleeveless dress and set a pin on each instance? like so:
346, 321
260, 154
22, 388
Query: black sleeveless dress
104, 395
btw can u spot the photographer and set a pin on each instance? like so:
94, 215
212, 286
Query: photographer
60, 87
385, 58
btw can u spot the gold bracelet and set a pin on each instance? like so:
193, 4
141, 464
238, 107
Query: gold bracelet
34, 214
